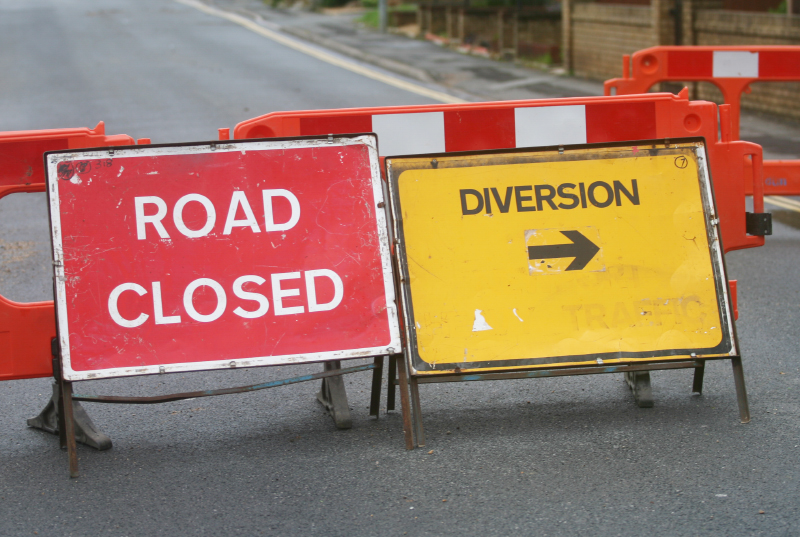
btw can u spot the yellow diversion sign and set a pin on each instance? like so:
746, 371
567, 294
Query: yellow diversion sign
560, 257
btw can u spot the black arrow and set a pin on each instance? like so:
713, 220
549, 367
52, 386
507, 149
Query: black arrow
581, 248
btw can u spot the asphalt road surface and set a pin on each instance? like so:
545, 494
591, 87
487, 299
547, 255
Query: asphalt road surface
566, 456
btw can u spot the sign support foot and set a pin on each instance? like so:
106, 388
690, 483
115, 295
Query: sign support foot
333, 397
639, 383
50, 420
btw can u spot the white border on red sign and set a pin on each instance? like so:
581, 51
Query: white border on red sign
370, 140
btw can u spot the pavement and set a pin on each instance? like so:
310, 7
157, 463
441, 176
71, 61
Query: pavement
471, 78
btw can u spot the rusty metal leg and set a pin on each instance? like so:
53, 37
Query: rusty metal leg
419, 431
333, 397
51, 420
697, 384
405, 403
639, 383
69, 428
741, 392
58, 407
391, 388
375, 395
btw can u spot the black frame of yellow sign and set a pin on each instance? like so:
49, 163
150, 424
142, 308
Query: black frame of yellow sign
564, 260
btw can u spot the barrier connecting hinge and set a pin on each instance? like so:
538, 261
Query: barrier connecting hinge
758, 224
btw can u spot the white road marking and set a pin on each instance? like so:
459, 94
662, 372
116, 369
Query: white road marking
783, 202
321, 55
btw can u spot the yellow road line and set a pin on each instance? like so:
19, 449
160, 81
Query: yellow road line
321, 55
782, 202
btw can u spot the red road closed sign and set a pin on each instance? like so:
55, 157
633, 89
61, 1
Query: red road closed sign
210, 256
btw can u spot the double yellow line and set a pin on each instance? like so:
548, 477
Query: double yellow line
322, 55
783, 202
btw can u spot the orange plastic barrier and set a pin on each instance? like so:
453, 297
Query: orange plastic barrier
27, 328
732, 70
549, 122
781, 178
21, 152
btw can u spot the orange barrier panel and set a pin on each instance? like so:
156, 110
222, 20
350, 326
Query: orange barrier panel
732, 70
781, 178
547, 122
27, 328
21, 152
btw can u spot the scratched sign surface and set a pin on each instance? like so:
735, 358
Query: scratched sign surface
210, 256
588, 255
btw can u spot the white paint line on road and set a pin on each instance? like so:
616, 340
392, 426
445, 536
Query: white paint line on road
783, 202
517, 83
321, 55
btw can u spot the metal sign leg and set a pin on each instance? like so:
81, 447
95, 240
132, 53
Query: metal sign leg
375, 395
639, 383
697, 384
741, 392
419, 431
391, 388
333, 397
405, 403
69, 428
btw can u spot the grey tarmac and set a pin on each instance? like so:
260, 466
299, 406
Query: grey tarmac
549, 457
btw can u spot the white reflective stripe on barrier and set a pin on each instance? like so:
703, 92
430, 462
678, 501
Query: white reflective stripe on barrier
409, 134
735, 64
550, 125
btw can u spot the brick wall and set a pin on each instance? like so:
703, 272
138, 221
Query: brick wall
537, 32
538, 35
598, 34
602, 33
713, 27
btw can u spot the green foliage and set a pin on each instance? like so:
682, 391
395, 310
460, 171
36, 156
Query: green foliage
510, 3
333, 3
780, 9
370, 18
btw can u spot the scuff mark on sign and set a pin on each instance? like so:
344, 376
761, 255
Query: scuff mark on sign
480, 323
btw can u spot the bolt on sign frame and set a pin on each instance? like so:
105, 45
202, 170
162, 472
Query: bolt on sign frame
161, 264
568, 260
